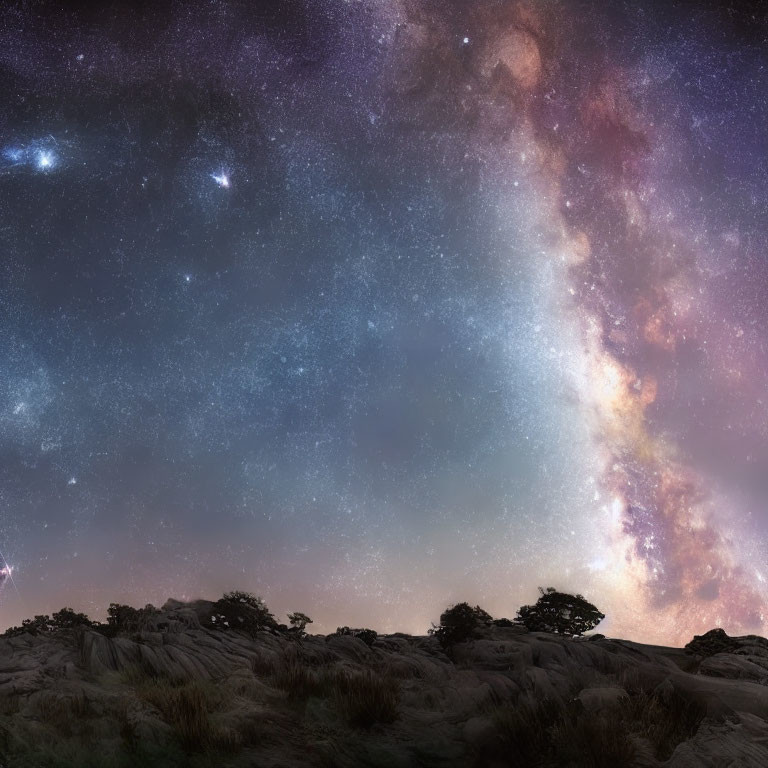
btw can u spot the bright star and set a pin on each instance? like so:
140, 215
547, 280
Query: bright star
45, 160
221, 179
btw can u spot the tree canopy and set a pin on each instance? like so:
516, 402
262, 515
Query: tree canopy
459, 623
561, 613
299, 620
242, 610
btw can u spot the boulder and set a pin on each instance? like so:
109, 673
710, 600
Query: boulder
734, 667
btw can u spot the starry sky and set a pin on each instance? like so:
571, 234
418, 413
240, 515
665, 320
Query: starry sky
372, 306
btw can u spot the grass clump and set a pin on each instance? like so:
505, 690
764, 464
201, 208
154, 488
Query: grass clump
523, 730
66, 714
362, 697
550, 733
592, 741
186, 708
185, 705
663, 723
366, 698
301, 682
10, 704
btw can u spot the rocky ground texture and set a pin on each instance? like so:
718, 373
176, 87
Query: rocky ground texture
177, 694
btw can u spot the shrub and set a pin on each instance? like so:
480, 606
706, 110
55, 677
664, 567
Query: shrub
560, 613
368, 636
459, 623
241, 610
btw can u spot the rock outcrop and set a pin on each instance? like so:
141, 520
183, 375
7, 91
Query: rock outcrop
735, 658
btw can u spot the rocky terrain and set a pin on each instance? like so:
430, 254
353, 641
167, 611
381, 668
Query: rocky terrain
179, 694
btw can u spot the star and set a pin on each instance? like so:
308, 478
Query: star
45, 160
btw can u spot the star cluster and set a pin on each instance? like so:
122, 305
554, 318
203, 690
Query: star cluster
372, 307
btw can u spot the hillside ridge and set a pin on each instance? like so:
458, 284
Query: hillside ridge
178, 693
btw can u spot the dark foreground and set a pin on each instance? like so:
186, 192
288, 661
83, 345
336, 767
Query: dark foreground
178, 695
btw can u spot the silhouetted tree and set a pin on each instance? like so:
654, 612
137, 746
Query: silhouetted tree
299, 620
42, 624
561, 613
241, 610
126, 618
459, 623
67, 618
39, 625
122, 618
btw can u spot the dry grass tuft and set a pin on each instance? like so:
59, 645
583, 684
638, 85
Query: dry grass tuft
522, 730
550, 733
299, 681
186, 707
664, 723
65, 713
263, 666
553, 733
10, 704
592, 741
366, 698
362, 697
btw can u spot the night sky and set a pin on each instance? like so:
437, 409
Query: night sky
372, 306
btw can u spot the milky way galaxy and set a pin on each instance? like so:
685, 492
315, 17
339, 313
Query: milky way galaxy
371, 306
